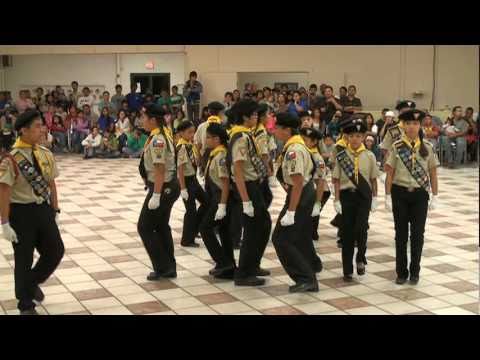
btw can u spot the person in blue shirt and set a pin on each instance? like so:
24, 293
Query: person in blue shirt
105, 120
298, 105
134, 99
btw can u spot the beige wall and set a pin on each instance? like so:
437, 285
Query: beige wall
382, 74
269, 79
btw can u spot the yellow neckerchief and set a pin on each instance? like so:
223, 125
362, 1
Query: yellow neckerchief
238, 129
415, 147
20, 144
214, 152
313, 150
214, 119
259, 128
343, 141
154, 132
356, 155
182, 141
168, 133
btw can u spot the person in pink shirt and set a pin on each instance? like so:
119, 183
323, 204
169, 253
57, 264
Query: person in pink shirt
80, 131
24, 103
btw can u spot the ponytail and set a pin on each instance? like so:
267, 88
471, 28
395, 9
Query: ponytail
423, 149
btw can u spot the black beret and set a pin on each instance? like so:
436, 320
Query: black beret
412, 115
26, 119
154, 110
302, 114
311, 133
216, 106
262, 109
184, 125
245, 107
354, 124
288, 120
405, 104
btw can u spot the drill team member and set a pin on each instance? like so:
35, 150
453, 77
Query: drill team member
191, 191
247, 169
292, 235
29, 210
217, 186
355, 180
157, 169
411, 172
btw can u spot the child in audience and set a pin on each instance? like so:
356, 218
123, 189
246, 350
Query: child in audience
92, 143
109, 146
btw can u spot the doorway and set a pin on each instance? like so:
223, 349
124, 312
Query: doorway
153, 83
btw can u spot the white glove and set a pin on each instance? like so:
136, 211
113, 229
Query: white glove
154, 201
433, 203
57, 219
388, 202
316, 209
184, 194
374, 204
248, 208
338, 206
9, 233
272, 181
288, 219
221, 212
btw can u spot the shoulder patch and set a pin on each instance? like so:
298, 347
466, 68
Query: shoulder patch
222, 162
158, 143
291, 155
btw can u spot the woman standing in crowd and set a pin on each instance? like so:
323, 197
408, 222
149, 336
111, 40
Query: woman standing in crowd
411, 172
157, 169
217, 187
247, 169
191, 191
292, 235
355, 180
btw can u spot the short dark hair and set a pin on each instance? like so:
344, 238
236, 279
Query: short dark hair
74, 82
342, 87
455, 108
175, 87
313, 86
352, 86
228, 93
105, 92
193, 73
329, 87
118, 86
184, 125
469, 108
385, 110
86, 88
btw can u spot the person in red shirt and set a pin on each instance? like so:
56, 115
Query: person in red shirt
59, 133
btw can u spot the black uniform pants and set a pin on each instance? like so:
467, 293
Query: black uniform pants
256, 232
316, 219
267, 193
293, 244
221, 253
36, 229
154, 229
193, 216
236, 218
355, 213
409, 208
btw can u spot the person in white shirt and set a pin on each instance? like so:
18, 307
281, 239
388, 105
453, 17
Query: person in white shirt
85, 99
91, 143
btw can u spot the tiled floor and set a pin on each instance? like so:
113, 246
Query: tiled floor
104, 269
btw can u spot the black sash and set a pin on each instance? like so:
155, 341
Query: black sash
256, 160
190, 154
348, 168
34, 177
416, 171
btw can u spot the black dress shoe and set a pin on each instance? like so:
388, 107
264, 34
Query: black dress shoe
192, 245
249, 281
212, 271
29, 312
347, 278
154, 276
400, 281
38, 297
414, 280
262, 272
226, 273
360, 268
304, 287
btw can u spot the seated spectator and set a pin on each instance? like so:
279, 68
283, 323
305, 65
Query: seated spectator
39, 99
74, 94
282, 104
371, 145
327, 146
304, 96
135, 143
80, 131
117, 99
7, 134
164, 100
179, 117
23, 103
333, 127
97, 98
297, 105
59, 134
123, 128
92, 143
46, 139
105, 120
380, 122
109, 147
350, 103
87, 98
236, 96
472, 134
91, 118
430, 131
455, 138
317, 121
330, 105
106, 103
228, 100
48, 116
125, 107
176, 100
60, 110
135, 119
343, 93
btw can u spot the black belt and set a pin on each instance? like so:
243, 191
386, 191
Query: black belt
350, 190
409, 189
151, 184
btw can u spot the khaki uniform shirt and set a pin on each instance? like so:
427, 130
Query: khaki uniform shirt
22, 192
297, 161
240, 152
367, 167
402, 176
159, 151
388, 141
218, 169
184, 159
321, 169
